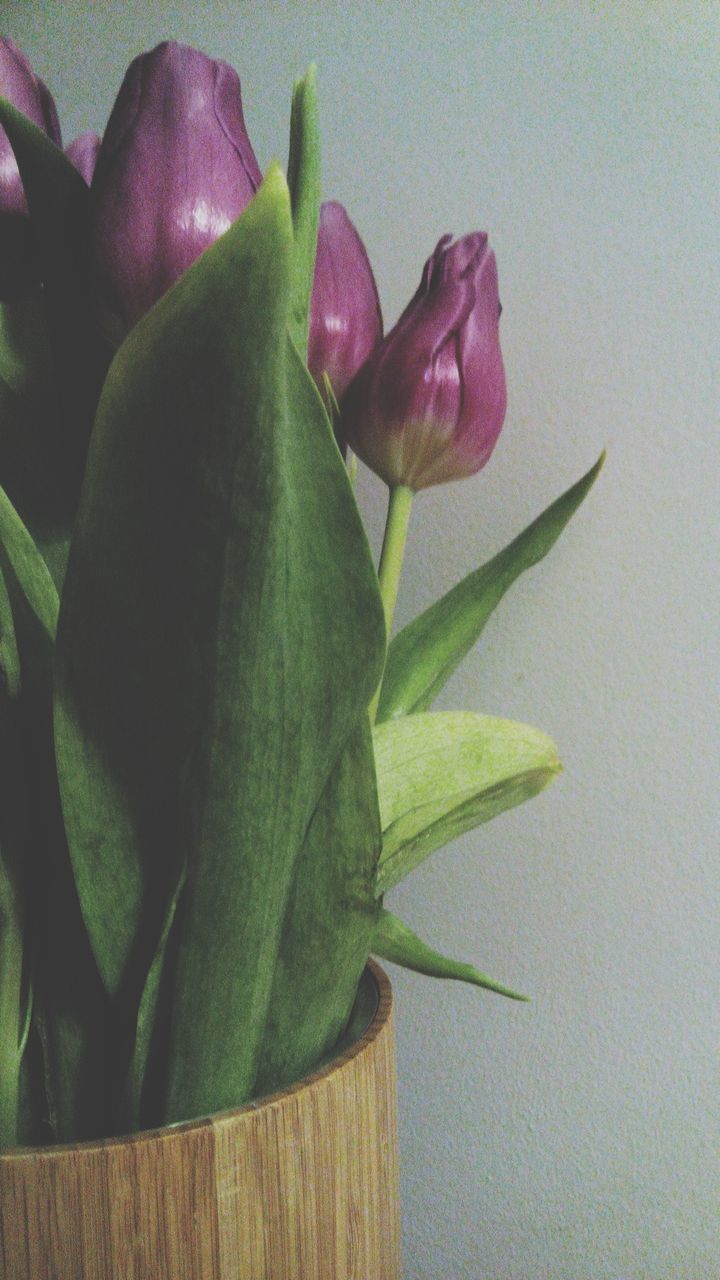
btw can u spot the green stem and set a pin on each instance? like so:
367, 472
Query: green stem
391, 560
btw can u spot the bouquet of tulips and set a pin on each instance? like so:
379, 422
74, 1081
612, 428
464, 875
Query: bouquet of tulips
213, 767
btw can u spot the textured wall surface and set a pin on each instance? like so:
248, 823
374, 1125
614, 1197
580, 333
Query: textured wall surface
574, 1138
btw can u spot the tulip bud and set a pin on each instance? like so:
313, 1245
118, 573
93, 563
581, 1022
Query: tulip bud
345, 316
429, 404
83, 154
26, 91
175, 169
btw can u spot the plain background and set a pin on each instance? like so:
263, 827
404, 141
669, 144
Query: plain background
574, 1138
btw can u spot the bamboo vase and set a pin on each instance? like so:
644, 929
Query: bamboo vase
301, 1186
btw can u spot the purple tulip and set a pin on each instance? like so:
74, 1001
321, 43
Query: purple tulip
26, 91
83, 154
345, 316
429, 404
175, 169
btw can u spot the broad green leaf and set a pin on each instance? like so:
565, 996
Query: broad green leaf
395, 942
329, 922
59, 204
443, 773
219, 635
423, 656
29, 567
304, 183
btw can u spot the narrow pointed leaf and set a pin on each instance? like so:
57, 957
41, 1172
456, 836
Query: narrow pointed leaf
142, 1096
423, 656
395, 942
29, 567
216, 510
14, 992
304, 183
440, 774
69, 1009
9, 656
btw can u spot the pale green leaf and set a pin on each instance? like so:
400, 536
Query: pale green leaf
443, 773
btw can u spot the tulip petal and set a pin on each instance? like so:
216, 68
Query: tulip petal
429, 403
441, 774
345, 314
174, 171
394, 941
423, 656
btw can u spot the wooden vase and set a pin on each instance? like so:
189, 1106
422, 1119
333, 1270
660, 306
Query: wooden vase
300, 1186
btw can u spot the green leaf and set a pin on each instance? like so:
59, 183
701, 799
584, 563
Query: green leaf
442, 773
218, 640
304, 183
329, 922
395, 942
29, 567
423, 656
59, 204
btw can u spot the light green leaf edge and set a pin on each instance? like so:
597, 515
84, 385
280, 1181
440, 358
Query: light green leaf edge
423, 656
304, 184
442, 773
15, 991
394, 941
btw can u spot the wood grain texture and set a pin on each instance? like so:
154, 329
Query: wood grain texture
301, 1186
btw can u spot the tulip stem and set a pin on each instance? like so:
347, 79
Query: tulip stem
391, 560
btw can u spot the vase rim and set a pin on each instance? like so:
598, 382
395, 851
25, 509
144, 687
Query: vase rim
379, 1019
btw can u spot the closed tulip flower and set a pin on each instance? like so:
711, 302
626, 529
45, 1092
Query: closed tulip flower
26, 91
345, 316
83, 153
429, 404
175, 169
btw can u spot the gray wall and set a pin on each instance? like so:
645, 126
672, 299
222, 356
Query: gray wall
575, 1137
